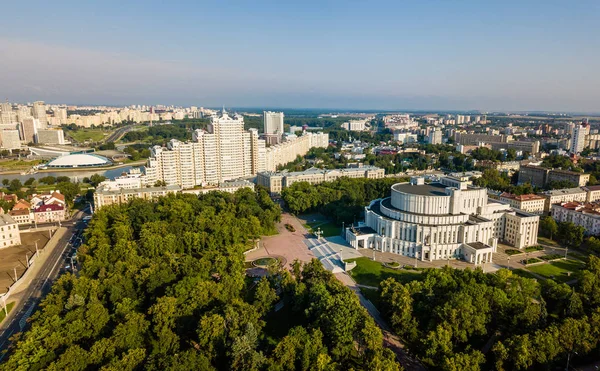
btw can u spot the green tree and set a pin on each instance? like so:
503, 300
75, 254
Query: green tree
548, 226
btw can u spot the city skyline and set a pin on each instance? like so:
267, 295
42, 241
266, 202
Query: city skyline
432, 56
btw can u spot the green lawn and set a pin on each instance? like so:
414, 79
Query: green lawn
81, 135
19, 164
534, 248
558, 270
370, 273
328, 228
9, 306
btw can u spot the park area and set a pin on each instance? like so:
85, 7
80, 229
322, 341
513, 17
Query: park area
83, 135
17, 165
314, 222
369, 273
561, 270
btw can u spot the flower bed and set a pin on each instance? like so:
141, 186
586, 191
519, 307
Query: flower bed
551, 257
290, 227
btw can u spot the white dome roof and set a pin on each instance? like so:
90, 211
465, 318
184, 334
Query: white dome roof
80, 159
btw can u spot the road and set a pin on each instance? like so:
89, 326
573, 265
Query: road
117, 134
39, 286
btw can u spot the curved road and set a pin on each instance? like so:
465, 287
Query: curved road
39, 285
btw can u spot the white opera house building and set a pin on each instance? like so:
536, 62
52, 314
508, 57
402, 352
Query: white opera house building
447, 219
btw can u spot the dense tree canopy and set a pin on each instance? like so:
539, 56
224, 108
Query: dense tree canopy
162, 286
343, 199
467, 320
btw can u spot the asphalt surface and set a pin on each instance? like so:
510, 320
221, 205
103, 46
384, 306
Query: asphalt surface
40, 285
117, 134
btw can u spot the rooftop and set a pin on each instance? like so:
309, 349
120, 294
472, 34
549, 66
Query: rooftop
566, 191
527, 197
6, 219
431, 189
478, 245
101, 190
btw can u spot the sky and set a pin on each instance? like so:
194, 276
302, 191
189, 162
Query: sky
393, 55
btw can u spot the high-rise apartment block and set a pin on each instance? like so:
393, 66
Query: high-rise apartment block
224, 152
273, 122
435, 136
29, 129
39, 112
578, 137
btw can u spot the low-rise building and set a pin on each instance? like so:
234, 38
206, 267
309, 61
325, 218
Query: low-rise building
230, 187
559, 196
530, 203
49, 213
9, 231
579, 179
105, 196
539, 176
593, 193
277, 181
22, 216
584, 214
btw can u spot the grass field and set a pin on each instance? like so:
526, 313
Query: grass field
81, 135
370, 273
328, 228
558, 270
18, 165
9, 307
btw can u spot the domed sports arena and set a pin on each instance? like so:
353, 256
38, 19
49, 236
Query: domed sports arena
78, 160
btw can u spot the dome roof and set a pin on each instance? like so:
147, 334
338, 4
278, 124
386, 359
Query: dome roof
77, 160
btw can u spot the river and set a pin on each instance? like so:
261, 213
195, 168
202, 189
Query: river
73, 175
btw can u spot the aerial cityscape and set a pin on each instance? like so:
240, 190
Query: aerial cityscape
300, 186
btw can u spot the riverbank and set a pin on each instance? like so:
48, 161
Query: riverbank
75, 169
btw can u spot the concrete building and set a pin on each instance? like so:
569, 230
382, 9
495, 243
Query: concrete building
584, 214
289, 150
48, 213
532, 147
273, 122
449, 219
355, 125
9, 231
277, 181
105, 196
578, 138
225, 152
22, 216
475, 139
39, 112
530, 203
435, 136
50, 136
9, 139
540, 176
592, 193
579, 179
29, 129
108, 194
559, 196
405, 138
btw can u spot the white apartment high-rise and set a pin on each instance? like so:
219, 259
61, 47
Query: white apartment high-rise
435, 136
9, 139
39, 112
225, 152
273, 122
578, 138
222, 153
